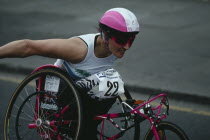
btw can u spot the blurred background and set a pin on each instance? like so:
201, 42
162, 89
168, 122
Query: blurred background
171, 53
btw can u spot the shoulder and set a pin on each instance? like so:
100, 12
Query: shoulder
77, 42
76, 50
88, 38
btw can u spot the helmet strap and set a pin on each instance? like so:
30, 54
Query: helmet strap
105, 38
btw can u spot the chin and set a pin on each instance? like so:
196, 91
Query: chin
119, 55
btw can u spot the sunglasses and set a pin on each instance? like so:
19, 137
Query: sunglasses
122, 41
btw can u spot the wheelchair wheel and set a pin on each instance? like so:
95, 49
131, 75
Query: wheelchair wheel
167, 130
45, 106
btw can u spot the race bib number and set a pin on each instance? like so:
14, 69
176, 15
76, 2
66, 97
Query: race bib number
110, 84
111, 87
105, 84
52, 83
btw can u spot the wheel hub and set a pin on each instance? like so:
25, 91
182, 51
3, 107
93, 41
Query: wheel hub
38, 122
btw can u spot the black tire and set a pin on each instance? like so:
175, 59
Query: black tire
167, 131
21, 108
123, 122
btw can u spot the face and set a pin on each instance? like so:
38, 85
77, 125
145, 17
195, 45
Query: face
118, 46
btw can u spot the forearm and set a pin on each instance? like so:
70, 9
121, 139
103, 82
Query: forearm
15, 49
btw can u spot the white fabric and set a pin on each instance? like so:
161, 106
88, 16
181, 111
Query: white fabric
130, 19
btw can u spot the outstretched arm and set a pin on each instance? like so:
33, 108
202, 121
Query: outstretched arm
73, 50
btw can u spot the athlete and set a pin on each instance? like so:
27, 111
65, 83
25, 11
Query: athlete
86, 57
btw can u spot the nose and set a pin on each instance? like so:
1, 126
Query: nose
127, 46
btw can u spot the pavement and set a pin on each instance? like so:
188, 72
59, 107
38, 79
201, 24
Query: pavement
171, 54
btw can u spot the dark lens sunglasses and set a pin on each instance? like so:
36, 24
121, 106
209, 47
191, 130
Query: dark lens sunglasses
122, 41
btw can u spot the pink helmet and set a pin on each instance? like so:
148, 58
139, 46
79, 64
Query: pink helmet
121, 20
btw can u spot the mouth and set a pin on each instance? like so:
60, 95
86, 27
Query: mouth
122, 52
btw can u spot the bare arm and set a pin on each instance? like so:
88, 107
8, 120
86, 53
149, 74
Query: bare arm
13, 49
73, 50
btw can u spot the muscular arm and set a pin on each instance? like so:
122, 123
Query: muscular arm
73, 50
14, 49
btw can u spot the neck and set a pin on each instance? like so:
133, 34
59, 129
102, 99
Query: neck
101, 51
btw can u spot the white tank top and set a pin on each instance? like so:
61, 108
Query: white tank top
91, 64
